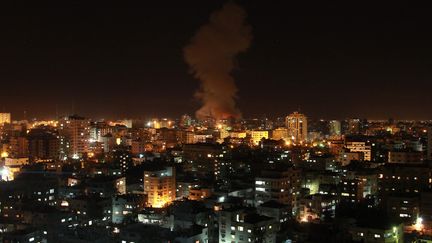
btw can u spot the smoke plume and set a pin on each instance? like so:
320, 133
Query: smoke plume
211, 56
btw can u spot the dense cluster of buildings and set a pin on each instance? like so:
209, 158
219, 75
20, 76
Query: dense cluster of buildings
290, 179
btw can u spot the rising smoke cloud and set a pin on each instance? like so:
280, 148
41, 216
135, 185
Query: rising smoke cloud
211, 57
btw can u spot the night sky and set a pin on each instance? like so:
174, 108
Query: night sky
331, 61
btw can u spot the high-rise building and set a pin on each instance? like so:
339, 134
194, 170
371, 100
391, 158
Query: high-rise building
74, 136
43, 144
19, 147
5, 118
335, 128
297, 126
160, 186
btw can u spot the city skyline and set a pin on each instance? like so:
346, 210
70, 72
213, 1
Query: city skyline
129, 62
215, 121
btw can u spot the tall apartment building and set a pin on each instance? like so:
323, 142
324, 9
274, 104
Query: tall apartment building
74, 136
160, 186
296, 124
335, 128
43, 144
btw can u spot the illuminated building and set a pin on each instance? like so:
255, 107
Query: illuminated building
361, 147
353, 126
335, 128
122, 158
405, 206
98, 130
296, 123
258, 135
161, 123
317, 207
381, 233
5, 118
124, 206
75, 134
279, 184
280, 133
238, 134
185, 121
199, 194
138, 147
351, 190
160, 186
345, 157
241, 226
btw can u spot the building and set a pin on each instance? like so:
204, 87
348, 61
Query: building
405, 157
405, 206
106, 186
237, 225
122, 158
19, 147
5, 118
160, 186
258, 135
74, 136
351, 190
296, 123
335, 128
124, 206
353, 126
280, 133
199, 194
281, 212
404, 178
317, 207
43, 144
361, 147
280, 184
384, 234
